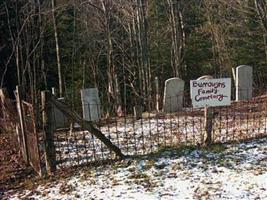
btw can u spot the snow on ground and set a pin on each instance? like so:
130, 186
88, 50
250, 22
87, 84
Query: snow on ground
237, 171
148, 135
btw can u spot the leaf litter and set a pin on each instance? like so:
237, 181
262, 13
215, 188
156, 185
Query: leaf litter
230, 171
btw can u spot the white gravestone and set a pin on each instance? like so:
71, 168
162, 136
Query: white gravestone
205, 77
244, 81
173, 95
90, 104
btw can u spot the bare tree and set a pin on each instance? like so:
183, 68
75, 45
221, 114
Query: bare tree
261, 9
178, 35
60, 79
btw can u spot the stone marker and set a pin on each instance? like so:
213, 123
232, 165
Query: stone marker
59, 119
173, 95
205, 77
90, 104
244, 81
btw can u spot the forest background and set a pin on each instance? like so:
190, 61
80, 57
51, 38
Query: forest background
121, 46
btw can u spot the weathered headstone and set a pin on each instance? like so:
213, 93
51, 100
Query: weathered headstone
173, 95
244, 80
205, 77
90, 104
59, 119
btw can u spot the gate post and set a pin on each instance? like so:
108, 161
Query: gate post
3, 97
208, 124
22, 123
208, 114
50, 152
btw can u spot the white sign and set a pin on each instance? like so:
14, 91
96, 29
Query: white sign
212, 92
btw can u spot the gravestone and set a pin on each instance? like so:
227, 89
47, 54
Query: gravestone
90, 104
205, 77
59, 119
173, 95
244, 80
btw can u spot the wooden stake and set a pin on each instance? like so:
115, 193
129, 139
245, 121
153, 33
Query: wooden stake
53, 89
208, 114
22, 123
157, 93
50, 153
208, 125
3, 97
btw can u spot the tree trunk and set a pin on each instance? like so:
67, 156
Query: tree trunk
60, 83
178, 36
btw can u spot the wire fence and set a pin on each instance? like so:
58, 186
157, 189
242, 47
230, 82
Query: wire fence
136, 127
150, 131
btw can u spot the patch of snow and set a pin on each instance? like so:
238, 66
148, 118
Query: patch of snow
150, 134
237, 171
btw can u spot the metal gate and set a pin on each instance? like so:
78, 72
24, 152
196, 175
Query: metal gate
31, 137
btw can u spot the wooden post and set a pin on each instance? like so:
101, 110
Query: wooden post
50, 153
20, 141
3, 113
234, 75
208, 114
157, 93
208, 125
22, 124
3, 97
53, 89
